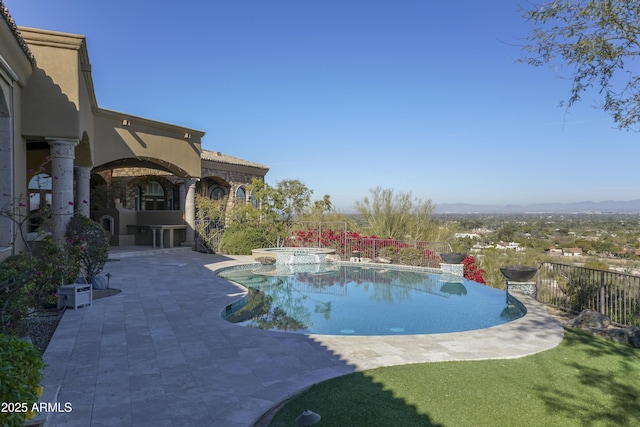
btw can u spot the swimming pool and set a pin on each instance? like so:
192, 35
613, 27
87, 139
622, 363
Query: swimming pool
348, 300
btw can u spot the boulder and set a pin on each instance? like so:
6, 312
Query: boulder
100, 282
634, 337
629, 336
590, 319
381, 260
618, 335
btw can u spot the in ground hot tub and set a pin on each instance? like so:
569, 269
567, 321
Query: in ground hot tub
292, 256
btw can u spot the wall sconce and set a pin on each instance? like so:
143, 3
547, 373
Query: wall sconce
126, 122
187, 135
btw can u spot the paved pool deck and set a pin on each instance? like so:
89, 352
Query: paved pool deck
159, 354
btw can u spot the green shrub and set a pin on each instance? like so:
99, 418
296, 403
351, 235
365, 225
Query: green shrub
55, 267
389, 252
20, 365
16, 275
242, 238
89, 242
410, 256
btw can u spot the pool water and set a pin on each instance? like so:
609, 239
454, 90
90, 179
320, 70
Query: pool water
347, 300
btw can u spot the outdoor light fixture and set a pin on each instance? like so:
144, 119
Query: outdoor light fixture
307, 418
126, 122
108, 277
187, 135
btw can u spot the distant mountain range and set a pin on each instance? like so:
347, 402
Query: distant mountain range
608, 206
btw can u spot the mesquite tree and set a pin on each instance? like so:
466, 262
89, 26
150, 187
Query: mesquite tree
397, 215
598, 41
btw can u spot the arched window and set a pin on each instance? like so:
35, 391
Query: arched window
241, 195
154, 196
217, 193
39, 186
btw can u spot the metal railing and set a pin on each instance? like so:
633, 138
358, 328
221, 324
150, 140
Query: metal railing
574, 289
208, 235
347, 244
414, 252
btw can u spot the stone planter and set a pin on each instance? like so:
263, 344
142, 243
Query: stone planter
518, 273
453, 257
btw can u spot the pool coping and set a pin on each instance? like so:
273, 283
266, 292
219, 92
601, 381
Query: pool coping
536, 331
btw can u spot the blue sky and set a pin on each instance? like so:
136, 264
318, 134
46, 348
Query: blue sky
415, 95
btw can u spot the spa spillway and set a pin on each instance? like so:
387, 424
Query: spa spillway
294, 256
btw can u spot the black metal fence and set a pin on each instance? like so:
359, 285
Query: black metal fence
348, 244
574, 289
208, 235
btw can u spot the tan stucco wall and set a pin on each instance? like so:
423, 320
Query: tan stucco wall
160, 143
52, 96
15, 70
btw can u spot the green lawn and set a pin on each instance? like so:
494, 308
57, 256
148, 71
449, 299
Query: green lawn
585, 381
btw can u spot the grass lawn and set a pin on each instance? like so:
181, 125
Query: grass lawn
585, 381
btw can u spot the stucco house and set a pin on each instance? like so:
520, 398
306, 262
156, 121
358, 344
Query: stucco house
571, 251
59, 149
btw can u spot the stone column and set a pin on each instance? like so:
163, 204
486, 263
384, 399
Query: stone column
62, 202
190, 210
83, 178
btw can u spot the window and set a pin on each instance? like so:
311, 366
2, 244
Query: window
154, 197
241, 195
154, 189
217, 193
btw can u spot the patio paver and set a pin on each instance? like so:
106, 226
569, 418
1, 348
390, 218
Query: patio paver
159, 354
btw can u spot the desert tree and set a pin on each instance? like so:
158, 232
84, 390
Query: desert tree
598, 41
398, 215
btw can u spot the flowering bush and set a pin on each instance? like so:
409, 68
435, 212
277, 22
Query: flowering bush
55, 267
87, 242
27, 282
346, 242
51, 299
472, 271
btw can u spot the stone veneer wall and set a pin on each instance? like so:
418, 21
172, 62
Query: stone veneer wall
235, 180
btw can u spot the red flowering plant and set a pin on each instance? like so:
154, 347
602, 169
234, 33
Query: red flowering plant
346, 243
472, 271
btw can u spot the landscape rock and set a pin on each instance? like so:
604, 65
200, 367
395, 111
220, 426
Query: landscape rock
618, 335
600, 325
100, 282
381, 260
266, 260
590, 319
634, 337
